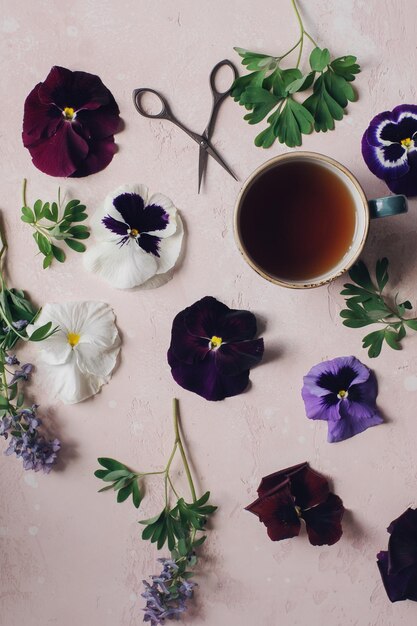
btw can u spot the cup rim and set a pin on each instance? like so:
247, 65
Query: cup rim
267, 165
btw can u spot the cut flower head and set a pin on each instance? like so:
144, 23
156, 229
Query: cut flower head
398, 565
137, 238
294, 494
80, 357
213, 348
69, 124
342, 392
389, 148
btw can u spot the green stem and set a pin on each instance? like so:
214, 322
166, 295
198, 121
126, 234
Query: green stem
24, 191
303, 32
290, 50
178, 442
166, 472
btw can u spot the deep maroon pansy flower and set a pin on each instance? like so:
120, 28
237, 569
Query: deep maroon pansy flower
389, 148
213, 348
295, 494
342, 392
69, 122
398, 565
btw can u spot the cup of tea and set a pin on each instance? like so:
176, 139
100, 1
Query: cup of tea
302, 219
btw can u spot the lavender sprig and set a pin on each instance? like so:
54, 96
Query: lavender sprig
178, 526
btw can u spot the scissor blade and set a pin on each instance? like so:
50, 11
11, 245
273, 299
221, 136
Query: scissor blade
213, 153
202, 164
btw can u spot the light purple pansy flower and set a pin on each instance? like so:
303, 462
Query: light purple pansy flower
138, 237
389, 148
342, 392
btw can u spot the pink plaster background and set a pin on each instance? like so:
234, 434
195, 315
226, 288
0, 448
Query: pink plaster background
70, 556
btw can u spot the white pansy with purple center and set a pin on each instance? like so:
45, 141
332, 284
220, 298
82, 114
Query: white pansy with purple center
138, 238
389, 148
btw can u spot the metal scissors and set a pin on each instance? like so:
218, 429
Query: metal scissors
206, 148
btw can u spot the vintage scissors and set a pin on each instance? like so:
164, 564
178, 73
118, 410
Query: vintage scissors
203, 140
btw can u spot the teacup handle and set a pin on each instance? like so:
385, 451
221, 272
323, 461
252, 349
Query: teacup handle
390, 205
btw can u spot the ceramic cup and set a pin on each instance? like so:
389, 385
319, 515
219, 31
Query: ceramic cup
365, 210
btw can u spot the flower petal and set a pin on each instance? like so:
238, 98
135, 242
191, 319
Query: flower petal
100, 154
69, 383
401, 586
170, 248
61, 154
233, 358
324, 521
40, 120
355, 418
92, 359
402, 546
95, 323
158, 202
185, 347
276, 510
204, 317
386, 162
123, 267
407, 184
204, 378
383, 130
324, 407
149, 244
308, 487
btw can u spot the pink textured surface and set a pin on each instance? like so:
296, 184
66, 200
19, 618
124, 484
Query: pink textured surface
70, 556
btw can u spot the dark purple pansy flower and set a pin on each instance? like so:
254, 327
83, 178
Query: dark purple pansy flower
69, 124
342, 392
398, 565
389, 148
294, 494
213, 348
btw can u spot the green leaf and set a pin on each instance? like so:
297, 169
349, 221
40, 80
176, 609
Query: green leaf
411, 324
27, 215
136, 494
124, 493
111, 464
37, 208
319, 59
79, 232
346, 67
360, 275
58, 253
4, 403
75, 245
100, 473
293, 121
43, 244
392, 339
40, 333
381, 273
20, 400
301, 84
54, 211
182, 547
116, 475
47, 261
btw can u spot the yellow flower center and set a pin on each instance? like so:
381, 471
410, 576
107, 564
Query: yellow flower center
342, 394
215, 342
134, 232
407, 142
298, 510
68, 113
73, 339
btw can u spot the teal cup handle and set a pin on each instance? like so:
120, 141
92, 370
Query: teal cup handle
390, 205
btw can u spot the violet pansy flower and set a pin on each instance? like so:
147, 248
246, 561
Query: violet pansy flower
137, 238
213, 348
398, 565
389, 148
299, 494
69, 124
342, 392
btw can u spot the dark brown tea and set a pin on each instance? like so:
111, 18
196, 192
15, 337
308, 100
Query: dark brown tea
297, 220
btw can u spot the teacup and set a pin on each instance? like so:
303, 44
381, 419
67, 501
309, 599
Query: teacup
302, 219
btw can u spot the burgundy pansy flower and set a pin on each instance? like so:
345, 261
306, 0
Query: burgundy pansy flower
294, 494
69, 122
398, 565
389, 148
342, 392
213, 348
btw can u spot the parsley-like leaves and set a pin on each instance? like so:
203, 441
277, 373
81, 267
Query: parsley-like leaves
53, 225
269, 91
367, 305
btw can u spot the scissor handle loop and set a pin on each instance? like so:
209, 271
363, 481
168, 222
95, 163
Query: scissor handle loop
219, 95
164, 113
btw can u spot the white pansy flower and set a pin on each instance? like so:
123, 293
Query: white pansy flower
138, 238
80, 357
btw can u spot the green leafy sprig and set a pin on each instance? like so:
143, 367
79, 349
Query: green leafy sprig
53, 224
182, 525
367, 305
269, 90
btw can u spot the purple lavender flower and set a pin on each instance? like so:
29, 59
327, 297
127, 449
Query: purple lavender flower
5, 425
22, 374
20, 324
167, 597
342, 392
11, 359
389, 148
